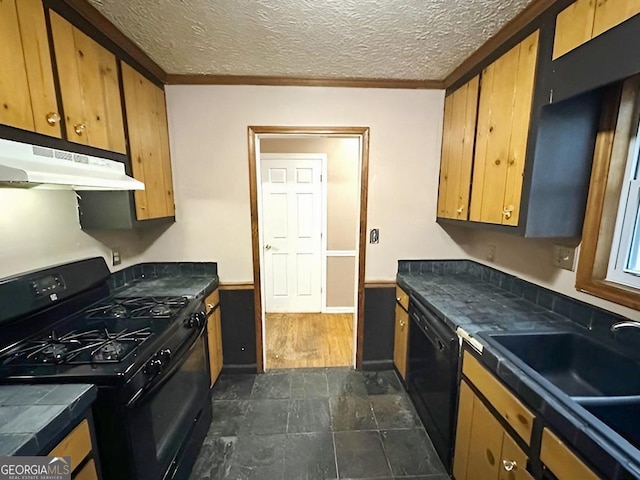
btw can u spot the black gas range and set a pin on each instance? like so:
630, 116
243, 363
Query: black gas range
148, 356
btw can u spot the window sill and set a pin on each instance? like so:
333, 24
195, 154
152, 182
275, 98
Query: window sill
613, 292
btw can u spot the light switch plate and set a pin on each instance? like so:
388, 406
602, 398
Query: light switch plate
564, 257
115, 257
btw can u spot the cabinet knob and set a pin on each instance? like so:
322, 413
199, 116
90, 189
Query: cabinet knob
402, 323
210, 306
460, 209
509, 465
398, 299
53, 118
507, 212
79, 128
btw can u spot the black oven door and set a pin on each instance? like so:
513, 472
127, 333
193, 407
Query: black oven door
159, 421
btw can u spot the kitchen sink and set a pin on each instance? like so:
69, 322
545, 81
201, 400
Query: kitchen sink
575, 364
623, 418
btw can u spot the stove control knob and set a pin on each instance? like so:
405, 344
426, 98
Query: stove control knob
195, 320
153, 367
164, 356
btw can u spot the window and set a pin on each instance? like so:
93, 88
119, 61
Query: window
624, 262
609, 262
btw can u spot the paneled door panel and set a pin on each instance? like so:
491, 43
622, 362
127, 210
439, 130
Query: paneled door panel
574, 26
457, 151
27, 91
506, 95
610, 13
149, 145
88, 75
292, 223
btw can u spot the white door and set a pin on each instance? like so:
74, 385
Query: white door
292, 241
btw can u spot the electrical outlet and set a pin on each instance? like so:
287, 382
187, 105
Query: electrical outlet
564, 257
115, 256
491, 253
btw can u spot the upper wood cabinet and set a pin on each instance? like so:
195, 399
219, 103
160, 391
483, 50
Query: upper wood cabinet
460, 114
27, 91
148, 145
610, 13
504, 113
586, 19
90, 89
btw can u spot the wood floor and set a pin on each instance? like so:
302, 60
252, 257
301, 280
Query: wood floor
306, 340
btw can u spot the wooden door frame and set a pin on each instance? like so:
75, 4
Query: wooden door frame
363, 133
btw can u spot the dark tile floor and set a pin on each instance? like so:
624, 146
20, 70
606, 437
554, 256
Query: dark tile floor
318, 424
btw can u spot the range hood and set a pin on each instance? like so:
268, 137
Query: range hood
25, 165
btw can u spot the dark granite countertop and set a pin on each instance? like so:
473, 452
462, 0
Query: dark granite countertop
482, 301
172, 279
32, 417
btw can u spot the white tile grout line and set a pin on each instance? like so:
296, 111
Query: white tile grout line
384, 450
335, 453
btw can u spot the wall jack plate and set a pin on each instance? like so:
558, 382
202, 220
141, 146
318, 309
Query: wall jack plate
564, 257
115, 257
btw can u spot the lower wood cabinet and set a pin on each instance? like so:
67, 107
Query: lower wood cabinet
214, 334
88, 472
77, 445
561, 461
494, 435
401, 332
484, 449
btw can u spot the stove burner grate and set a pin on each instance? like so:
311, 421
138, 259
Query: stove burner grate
93, 346
138, 307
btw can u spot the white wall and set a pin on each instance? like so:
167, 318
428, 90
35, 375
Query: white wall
208, 132
531, 259
39, 228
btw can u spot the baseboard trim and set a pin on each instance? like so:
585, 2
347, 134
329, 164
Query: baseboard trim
236, 286
248, 368
377, 365
380, 284
339, 310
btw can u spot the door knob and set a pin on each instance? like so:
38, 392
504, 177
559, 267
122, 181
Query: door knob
267, 247
509, 465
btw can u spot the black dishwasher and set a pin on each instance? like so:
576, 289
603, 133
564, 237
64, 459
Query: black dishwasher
432, 377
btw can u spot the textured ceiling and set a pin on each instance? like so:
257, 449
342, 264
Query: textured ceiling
391, 39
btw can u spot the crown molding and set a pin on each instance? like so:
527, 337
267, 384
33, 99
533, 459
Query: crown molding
179, 79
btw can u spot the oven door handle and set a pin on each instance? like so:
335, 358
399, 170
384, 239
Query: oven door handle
151, 388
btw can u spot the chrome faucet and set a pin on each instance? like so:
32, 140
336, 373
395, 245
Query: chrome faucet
625, 324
